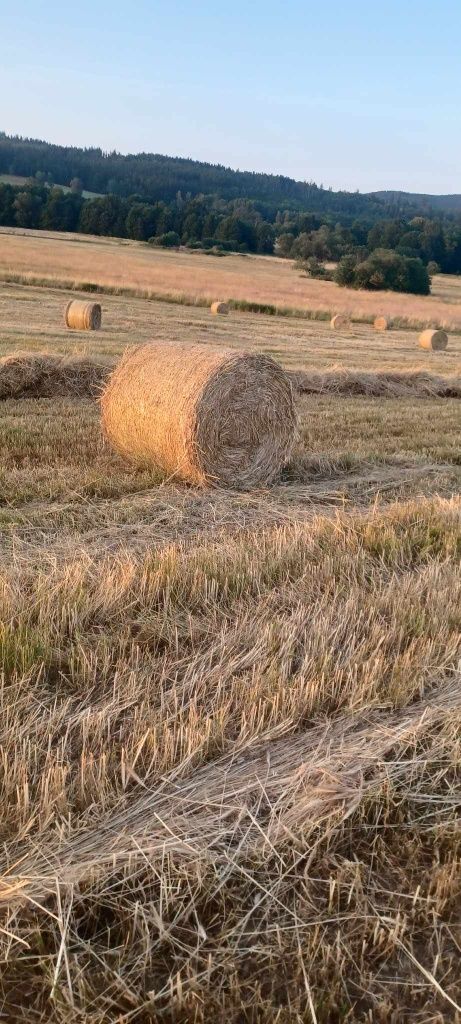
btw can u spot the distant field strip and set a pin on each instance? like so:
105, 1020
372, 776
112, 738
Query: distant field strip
255, 283
184, 299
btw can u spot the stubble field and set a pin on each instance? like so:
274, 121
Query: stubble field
229, 756
193, 277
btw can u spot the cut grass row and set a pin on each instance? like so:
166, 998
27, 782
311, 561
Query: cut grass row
230, 776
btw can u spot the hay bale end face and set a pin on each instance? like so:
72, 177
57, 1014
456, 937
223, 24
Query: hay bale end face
220, 308
381, 323
435, 340
340, 320
83, 316
203, 415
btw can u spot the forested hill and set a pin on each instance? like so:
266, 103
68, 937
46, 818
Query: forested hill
424, 202
153, 177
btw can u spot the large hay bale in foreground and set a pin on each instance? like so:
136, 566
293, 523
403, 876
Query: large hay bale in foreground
40, 375
219, 308
339, 321
200, 414
83, 316
381, 323
435, 340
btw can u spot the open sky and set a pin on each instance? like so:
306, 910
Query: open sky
351, 95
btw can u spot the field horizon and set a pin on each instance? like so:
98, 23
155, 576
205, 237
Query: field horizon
138, 269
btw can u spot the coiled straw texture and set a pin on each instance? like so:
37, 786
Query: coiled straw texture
203, 415
83, 316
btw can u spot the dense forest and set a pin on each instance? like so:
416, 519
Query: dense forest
294, 219
159, 178
239, 225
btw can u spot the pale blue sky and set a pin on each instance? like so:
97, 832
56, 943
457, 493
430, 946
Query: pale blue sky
352, 95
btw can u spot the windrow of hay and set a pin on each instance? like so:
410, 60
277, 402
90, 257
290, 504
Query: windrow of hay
202, 415
417, 384
338, 321
381, 323
309, 777
30, 375
219, 307
230, 761
435, 340
83, 316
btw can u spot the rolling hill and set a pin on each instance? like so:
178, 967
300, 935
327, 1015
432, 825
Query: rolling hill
441, 204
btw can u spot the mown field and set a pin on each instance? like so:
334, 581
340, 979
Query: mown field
194, 277
230, 747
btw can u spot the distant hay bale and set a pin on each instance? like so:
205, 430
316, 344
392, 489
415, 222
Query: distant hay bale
203, 415
83, 316
435, 340
219, 307
338, 321
31, 375
381, 323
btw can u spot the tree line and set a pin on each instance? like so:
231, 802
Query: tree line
239, 225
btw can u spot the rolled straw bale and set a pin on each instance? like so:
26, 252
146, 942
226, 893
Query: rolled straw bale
219, 307
381, 323
436, 340
40, 375
338, 321
83, 316
201, 414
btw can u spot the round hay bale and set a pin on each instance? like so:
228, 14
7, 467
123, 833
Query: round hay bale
339, 321
83, 316
203, 415
381, 323
219, 308
435, 340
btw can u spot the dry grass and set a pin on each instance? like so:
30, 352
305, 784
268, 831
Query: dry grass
38, 375
193, 276
382, 384
230, 722
221, 774
31, 320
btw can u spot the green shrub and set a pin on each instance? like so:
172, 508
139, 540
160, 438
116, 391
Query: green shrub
312, 267
344, 274
167, 241
384, 270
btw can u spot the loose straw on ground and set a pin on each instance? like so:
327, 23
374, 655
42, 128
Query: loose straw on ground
382, 384
83, 316
200, 414
39, 375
